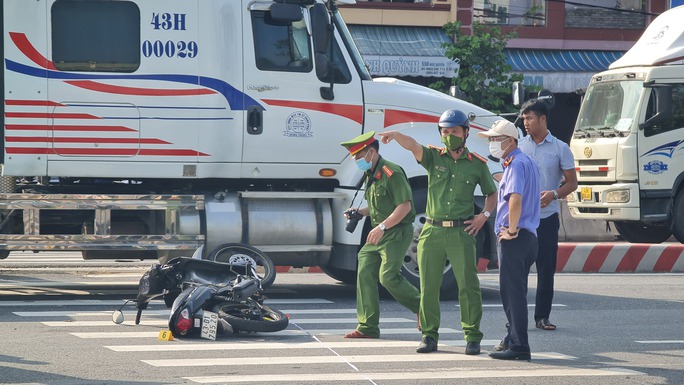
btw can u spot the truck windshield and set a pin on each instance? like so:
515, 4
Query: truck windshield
351, 48
610, 106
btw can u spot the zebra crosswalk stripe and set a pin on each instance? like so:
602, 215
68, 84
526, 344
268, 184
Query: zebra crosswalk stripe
421, 375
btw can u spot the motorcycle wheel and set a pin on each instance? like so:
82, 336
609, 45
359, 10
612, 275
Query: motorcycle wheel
236, 252
240, 317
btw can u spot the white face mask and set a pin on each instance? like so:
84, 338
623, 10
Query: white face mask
496, 150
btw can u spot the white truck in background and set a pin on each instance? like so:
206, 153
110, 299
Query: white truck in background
156, 127
629, 138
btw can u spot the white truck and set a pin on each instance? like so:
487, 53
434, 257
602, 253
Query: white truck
159, 126
629, 138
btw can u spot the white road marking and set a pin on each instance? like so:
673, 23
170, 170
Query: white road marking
250, 345
331, 359
420, 375
661, 342
287, 332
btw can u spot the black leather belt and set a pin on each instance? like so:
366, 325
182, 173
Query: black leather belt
457, 223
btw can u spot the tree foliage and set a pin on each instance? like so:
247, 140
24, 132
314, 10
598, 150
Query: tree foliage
484, 77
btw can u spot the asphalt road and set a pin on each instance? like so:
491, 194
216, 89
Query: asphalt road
614, 329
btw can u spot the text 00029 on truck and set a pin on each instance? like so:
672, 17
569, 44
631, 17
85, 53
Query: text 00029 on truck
157, 127
629, 138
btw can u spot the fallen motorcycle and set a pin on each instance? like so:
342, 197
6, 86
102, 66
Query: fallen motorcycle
207, 297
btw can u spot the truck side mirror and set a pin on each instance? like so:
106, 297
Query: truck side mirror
320, 23
286, 13
518, 93
322, 31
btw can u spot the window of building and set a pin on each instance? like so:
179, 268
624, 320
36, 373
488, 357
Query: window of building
634, 5
96, 36
281, 46
511, 12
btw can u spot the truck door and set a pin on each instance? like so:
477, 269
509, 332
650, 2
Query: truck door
291, 122
661, 145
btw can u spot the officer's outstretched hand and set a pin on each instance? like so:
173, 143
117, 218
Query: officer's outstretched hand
386, 137
475, 224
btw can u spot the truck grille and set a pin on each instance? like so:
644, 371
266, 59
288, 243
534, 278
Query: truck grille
598, 168
593, 174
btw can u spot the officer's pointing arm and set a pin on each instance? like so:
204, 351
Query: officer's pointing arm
404, 141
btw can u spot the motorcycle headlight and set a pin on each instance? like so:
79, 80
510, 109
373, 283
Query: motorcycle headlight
144, 285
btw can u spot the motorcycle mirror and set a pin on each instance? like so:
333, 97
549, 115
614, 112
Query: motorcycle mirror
117, 317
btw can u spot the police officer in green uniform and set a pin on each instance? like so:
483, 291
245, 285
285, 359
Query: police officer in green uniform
450, 229
391, 212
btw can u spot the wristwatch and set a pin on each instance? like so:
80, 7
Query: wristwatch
555, 195
486, 213
382, 226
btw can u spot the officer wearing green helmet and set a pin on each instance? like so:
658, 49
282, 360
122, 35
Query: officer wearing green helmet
449, 232
391, 212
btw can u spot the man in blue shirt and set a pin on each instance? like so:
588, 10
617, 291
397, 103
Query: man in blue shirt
517, 219
556, 164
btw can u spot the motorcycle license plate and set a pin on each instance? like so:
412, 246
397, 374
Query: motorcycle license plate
209, 325
587, 195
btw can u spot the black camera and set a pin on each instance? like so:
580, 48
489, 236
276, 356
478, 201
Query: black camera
353, 218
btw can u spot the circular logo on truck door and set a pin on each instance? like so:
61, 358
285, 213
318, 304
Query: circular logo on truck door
298, 124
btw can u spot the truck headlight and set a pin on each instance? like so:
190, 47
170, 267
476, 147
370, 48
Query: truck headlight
617, 196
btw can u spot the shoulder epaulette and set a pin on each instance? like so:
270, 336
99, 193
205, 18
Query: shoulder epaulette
480, 157
388, 171
441, 150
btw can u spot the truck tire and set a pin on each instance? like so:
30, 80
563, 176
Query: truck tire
231, 251
678, 217
638, 232
4, 254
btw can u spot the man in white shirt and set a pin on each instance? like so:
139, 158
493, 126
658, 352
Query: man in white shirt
558, 179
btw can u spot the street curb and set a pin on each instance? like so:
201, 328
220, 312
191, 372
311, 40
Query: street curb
593, 258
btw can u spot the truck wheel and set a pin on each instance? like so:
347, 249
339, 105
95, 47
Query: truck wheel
235, 251
678, 217
638, 232
4, 254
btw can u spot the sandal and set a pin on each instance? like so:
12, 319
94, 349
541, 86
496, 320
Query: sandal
357, 334
544, 324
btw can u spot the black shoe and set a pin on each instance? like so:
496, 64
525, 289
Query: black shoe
427, 345
500, 347
511, 355
472, 348
544, 324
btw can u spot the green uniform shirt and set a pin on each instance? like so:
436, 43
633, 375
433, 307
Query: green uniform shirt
386, 189
451, 183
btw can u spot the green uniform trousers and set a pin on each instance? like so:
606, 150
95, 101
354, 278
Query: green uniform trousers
435, 246
382, 263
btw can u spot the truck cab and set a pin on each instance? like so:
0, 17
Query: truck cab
629, 139
157, 127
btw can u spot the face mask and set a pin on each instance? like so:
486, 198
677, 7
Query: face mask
363, 164
452, 142
495, 149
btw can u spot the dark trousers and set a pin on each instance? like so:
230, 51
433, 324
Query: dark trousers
547, 234
515, 260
